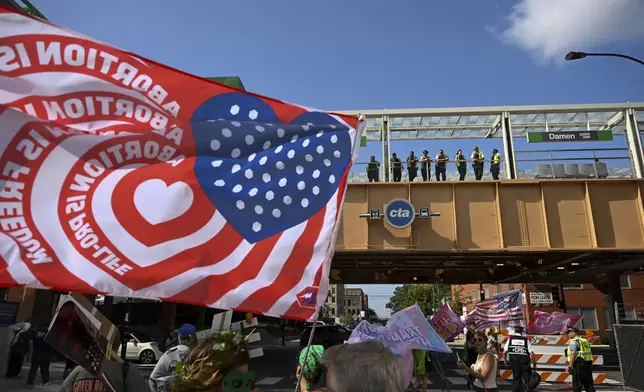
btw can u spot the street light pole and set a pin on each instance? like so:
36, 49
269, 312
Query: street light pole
580, 55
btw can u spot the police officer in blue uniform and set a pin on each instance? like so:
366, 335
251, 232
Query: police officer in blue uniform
164, 370
518, 352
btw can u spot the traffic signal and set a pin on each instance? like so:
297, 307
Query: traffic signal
557, 297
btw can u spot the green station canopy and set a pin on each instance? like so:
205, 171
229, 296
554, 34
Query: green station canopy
25, 6
232, 81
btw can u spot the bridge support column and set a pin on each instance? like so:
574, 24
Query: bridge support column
634, 143
385, 141
609, 284
508, 147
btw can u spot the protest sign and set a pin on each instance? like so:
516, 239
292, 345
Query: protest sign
552, 323
447, 324
406, 330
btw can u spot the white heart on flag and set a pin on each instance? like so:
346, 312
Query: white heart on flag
157, 202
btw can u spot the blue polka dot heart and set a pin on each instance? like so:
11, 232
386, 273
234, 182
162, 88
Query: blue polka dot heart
262, 175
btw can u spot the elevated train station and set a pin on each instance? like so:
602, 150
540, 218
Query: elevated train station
559, 215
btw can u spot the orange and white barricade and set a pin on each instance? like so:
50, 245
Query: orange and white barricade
556, 376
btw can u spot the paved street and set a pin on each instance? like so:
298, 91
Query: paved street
275, 371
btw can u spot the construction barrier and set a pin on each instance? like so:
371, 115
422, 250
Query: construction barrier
556, 376
560, 359
556, 340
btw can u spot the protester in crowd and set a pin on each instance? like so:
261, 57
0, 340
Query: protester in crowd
309, 366
484, 369
580, 361
469, 353
18, 348
69, 366
164, 369
40, 358
420, 369
518, 352
362, 367
114, 377
217, 361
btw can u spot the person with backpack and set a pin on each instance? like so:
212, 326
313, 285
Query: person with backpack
18, 349
518, 352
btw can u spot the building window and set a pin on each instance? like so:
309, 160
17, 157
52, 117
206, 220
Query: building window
487, 292
589, 321
573, 286
511, 287
624, 282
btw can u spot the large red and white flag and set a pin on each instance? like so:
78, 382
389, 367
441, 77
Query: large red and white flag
122, 176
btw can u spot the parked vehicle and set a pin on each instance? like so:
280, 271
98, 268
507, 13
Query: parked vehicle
142, 348
325, 335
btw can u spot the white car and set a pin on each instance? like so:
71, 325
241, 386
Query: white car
141, 348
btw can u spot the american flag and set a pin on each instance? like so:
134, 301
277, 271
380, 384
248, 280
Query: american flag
126, 177
503, 308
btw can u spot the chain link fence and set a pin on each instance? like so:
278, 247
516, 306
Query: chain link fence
630, 351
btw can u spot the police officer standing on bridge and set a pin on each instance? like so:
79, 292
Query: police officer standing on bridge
373, 170
580, 360
518, 351
396, 167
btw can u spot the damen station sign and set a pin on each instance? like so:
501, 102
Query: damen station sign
570, 136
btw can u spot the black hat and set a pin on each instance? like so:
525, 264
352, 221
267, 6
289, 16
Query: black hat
569, 328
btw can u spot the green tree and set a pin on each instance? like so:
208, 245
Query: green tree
457, 300
429, 297
348, 319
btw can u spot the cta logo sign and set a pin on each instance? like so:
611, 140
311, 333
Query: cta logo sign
399, 213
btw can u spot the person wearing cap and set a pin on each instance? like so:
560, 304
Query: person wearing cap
373, 169
518, 352
495, 164
412, 166
425, 163
477, 163
441, 165
164, 370
396, 167
580, 361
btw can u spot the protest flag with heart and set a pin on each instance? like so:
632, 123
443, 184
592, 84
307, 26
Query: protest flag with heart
125, 177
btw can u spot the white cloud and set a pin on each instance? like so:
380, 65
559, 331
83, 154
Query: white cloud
548, 29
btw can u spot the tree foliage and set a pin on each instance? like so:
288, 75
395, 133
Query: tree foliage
428, 297
457, 300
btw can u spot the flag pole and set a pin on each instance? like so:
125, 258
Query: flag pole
308, 349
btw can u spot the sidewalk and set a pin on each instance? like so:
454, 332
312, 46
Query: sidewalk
56, 370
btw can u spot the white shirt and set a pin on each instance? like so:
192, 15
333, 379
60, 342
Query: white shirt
164, 370
481, 156
490, 381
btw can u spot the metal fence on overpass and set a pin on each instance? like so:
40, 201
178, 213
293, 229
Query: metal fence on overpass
511, 122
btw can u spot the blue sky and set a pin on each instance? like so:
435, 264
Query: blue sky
341, 55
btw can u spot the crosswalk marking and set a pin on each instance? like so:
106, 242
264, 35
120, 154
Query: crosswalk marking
269, 381
457, 380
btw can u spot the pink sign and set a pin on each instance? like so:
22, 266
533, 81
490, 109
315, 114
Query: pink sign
447, 324
552, 323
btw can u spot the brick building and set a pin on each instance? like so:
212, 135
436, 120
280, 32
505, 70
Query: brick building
582, 299
354, 302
